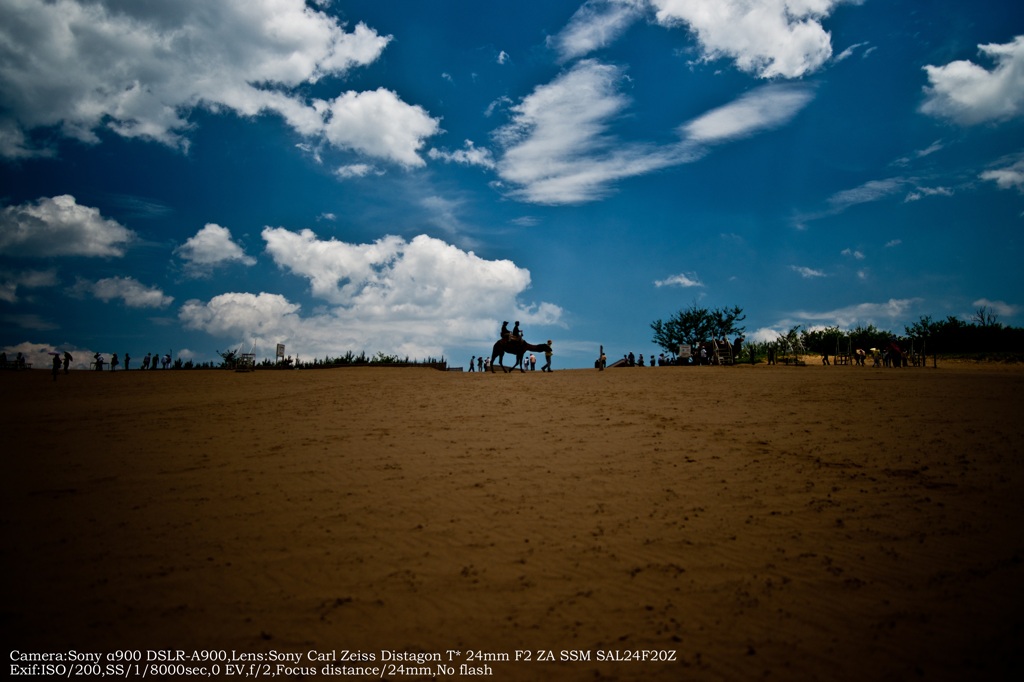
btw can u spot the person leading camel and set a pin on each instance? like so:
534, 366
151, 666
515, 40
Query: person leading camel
547, 359
514, 346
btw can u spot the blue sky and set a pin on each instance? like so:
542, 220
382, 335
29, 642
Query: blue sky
190, 176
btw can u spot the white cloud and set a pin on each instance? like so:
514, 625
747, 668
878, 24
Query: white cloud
469, 155
11, 282
502, 101
138, 69
127, 289
442, 213
848, 52
934, 147
769, 38
379, 124
870, 191
764, 335
805, 272
557, 148
59, 226
1001, 308
596, 24
968, 94
873, 190
764, 108
685, 280
356, 170
863, 313
922, 192
411, 298
210, 247
503, 57
235, 315
1008, 177
30, 321
422, 277
854, 254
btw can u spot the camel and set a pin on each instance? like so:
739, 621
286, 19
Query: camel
515, 346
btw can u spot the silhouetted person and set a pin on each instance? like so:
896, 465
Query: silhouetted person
547, 359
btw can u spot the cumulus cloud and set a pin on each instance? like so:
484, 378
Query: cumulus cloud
234, 315
770, 38
596, 24
762, 109
425, 277
378, 123
130, 291
685, 280
138, 69
212, 246
408, 297
60, 226
968, 93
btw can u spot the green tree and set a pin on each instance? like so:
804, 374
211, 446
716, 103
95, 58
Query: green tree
229, 359
791, 342
823, 341
695, 325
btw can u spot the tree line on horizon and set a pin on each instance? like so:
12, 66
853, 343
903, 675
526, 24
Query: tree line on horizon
982, 335
231, 359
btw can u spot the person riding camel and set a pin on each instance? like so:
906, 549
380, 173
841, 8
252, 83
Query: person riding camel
504, 330
516, 332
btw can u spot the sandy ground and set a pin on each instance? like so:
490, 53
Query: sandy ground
792, 523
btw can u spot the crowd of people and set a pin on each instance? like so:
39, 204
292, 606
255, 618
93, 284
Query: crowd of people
151, 361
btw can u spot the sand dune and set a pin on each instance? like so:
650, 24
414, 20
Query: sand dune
835, 523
